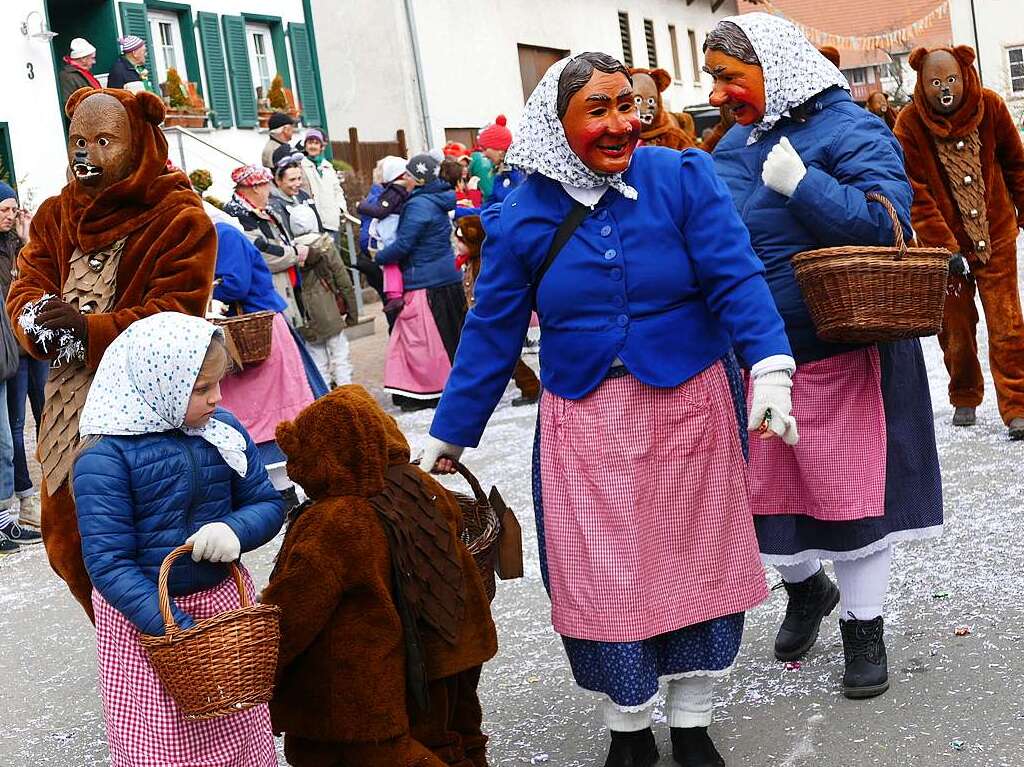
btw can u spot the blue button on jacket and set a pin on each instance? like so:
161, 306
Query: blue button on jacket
139, 497
848, 152
683, 286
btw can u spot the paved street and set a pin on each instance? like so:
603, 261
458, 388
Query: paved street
955, 700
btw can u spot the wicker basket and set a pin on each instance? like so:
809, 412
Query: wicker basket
222, 665
480, 528
251, 335
862, 294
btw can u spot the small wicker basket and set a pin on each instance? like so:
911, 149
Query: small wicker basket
480, 528
222, 665
863, 294
251, 335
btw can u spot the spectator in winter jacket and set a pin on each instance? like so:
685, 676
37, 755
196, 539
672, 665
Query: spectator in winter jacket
77, 70
494, 141
162, 466
320, 181
384, 214
282, 129
249, 204
328, 296
129, 71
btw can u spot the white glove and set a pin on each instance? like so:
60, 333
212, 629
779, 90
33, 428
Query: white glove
435, 449
783, 170
772, 403
215, 542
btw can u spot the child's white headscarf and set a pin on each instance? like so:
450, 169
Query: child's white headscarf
145, 379
540, 145
794, 70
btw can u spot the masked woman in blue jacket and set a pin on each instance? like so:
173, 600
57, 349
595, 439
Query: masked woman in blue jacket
426, 333
160, 466
646, 541
799, 164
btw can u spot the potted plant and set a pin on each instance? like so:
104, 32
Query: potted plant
276, 101
185, 109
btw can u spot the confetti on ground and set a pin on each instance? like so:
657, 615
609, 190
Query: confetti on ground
962, 631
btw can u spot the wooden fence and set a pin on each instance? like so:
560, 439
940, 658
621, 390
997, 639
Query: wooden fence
363, 155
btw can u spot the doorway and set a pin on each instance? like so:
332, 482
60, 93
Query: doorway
534, 61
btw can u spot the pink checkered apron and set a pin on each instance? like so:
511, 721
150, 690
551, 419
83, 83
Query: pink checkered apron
144, 725
836, 473
646, 519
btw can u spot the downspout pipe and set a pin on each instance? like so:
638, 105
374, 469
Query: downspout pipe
410, 19
977, 44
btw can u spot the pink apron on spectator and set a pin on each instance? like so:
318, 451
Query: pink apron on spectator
417, 364
144, 725
836, 472
263, 395
646, 518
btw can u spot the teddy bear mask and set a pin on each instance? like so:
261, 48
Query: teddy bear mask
100, 143
943, 80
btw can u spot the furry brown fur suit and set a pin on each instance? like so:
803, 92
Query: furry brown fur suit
937, 222
167, 265
341, 691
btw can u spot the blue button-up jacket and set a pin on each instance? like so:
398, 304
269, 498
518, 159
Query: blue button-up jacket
666, 283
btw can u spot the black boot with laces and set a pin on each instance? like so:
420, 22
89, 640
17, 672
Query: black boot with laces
867, 667
809, 602
632, 749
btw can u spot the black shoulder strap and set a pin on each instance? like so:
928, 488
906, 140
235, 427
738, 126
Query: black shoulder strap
562, 235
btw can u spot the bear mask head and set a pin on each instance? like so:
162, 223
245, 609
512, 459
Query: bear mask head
948, 94
648, 85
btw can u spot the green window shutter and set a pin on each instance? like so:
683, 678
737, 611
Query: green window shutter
188, 45
305, 75
218, 95
280, 53
242, 89
135, 22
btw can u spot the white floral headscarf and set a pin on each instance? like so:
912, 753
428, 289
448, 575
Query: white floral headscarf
794, 70
145, 379
540, 145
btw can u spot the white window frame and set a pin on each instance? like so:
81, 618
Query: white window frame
1009, 68
252, 30
161, 61
858, 76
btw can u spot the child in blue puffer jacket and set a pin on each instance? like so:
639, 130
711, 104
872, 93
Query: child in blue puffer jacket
161, 465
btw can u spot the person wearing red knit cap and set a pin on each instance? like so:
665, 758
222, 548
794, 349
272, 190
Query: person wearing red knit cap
493, 141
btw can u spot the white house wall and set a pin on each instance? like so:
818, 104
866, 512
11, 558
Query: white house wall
30, 106
1000, 25
470, 57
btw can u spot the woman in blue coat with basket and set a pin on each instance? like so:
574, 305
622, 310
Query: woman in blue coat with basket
801, 163
643, 278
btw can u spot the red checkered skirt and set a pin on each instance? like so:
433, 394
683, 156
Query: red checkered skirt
646, 516
144, 726
836, 472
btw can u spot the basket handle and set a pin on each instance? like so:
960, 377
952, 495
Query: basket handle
897, 227
165, 599
474, 483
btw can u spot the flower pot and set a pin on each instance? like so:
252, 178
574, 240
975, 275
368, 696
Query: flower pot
185, 119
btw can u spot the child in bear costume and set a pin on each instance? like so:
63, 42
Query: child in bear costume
658, 127
965, 160
126, 238
384, 620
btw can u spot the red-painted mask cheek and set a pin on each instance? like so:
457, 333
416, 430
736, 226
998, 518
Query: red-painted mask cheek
739, 87
602, 125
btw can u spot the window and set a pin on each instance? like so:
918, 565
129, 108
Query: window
1016, 69
677, 72
627, 43
260, 53
534, 61
857, 76
694, 55
165, 33
652, 51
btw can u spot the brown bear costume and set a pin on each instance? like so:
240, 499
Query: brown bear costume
341, 696
658, 127
124, 239
966, 163
470, 235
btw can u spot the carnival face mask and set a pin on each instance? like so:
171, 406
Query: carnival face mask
601, 124
645, 96
100, 143
878, 104
943, 81
739, 87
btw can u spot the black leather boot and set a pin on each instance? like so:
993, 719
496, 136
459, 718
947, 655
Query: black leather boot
632, 749
809, 602
693, 747
867, 667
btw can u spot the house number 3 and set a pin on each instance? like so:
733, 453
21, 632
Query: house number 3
31, 71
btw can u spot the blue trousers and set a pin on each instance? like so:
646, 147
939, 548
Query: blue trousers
28, 383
